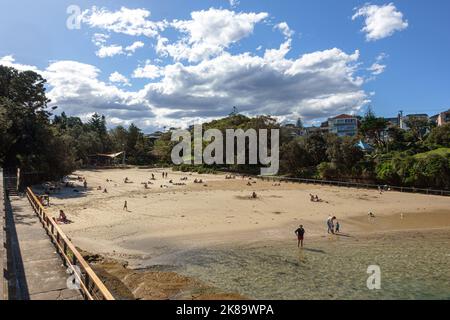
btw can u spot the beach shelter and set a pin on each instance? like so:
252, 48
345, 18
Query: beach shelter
364, 146
106, 159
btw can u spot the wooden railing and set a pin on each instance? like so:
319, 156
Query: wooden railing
91, 286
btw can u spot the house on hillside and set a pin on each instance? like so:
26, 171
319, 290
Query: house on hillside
343, 125
404, 119
443, 118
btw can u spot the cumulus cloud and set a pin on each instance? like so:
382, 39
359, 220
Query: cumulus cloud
109, 51
10, 61
119, 78
314, 85
208, 33
377, 68
204, 80
148, 71
133, 22
380, 21
234, 3
133, 47
76, 89
284, 28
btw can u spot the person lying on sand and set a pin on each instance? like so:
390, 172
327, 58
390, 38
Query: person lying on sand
249, 184
62, 218
300, 232
371, 215
99, 188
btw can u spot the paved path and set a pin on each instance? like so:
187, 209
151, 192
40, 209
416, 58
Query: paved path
2, 241
39, 270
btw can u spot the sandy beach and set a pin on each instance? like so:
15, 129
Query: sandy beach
167, 220
222, 211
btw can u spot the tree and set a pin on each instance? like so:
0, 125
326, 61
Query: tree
439, 136
372, 128
316, 146
418, 127
29, 140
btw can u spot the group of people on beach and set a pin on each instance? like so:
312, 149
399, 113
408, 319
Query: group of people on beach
333, 225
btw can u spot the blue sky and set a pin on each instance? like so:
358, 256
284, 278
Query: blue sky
181, 62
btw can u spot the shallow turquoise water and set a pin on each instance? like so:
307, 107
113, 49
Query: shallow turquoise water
413, 266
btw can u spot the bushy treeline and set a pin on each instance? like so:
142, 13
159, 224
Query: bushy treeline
34, 139
419, 157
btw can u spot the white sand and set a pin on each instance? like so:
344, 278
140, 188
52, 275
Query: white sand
161, 220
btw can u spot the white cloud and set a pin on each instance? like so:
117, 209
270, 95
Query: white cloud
99, 39
284, 28
148, 71
109, 51
234, 3
314, 85
133, 47
119, 78
105, 51
10, 61
380, 21
377, 68
208, 33
133, 22
75, 88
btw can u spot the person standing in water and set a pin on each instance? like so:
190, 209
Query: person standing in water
300, 232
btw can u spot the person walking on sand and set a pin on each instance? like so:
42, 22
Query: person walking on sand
338, 227
300, 232
125, 205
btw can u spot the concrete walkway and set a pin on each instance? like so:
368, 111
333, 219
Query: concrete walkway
38, 270
3, 284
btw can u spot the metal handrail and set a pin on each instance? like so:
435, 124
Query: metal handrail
357, 185
91, 286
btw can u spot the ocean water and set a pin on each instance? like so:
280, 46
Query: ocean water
412, 266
